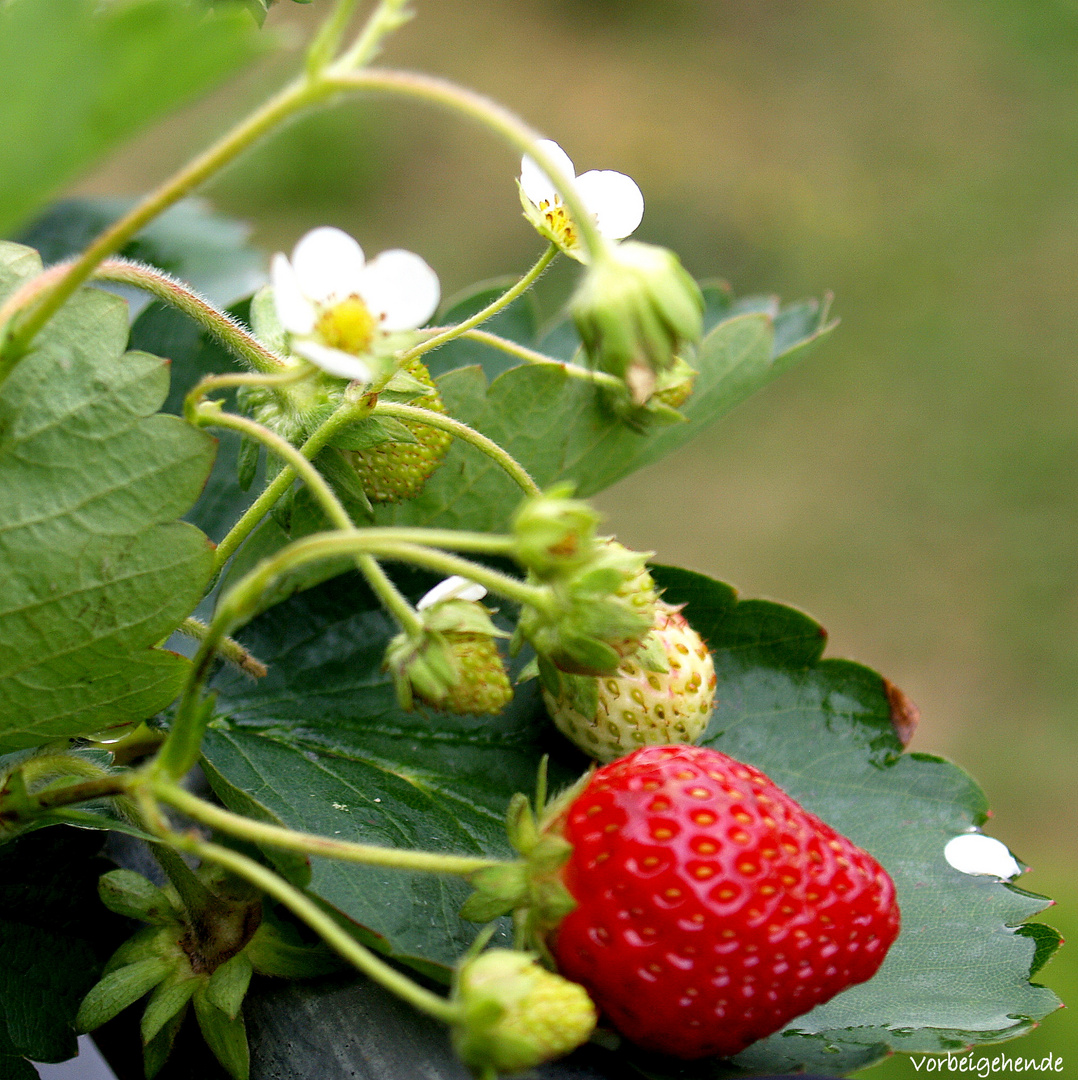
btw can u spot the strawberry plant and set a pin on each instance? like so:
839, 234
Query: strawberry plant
310, 668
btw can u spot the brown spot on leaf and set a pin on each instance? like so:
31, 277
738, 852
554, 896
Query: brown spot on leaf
905, 716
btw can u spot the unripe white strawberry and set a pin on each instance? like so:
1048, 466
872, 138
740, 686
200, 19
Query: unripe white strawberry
516, 1014
640, 704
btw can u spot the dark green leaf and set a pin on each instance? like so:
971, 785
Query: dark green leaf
322, 743
99, 570
560, 428
54, 939
98, 74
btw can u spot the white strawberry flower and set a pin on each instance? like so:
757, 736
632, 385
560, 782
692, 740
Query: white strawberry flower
452, 588
338, 307
613, 199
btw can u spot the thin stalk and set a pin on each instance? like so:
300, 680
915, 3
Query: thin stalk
346, 413
210, 414
390, 15
325, 43
229, 649
510, 127
258, 832
466, 434
491, 309
297, 95
531, 356
383, 588
334, 935
229, 331
241, 602
383, 543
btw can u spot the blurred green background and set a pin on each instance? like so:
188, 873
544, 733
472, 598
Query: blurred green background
915, 485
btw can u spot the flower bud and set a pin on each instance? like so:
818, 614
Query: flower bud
634, 310
554, 533
599, 613
516, 1014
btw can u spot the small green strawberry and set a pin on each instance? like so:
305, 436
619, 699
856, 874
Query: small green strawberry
392, 472
661, 694
483, 683
516, 1014
453, 664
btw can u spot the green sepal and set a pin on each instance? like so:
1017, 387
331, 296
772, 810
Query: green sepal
247, 462
149, 943
549, 675
520, 824
168, 999
529, 671
340, 476
228, 984
265, 322
271, 954
651, 656
549, 854
155, 1053
498, 890
130, 894
405, 387
373, 431
226, 1037
460, 617
110, 996
580, 692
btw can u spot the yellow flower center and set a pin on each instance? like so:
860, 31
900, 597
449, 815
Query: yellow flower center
560, 223
348, 326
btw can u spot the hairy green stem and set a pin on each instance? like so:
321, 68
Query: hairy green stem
384, 589
346, 413
531, 356
388, 16
229, 331
258, 832
229, 649
297, 95
402, 545
510, 127
491, 309
210, 414
466, 434
333, 934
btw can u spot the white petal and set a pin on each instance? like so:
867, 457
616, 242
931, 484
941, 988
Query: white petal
535, 183
614, 199
975, 853
328, 263
400, 289
295, 311
333, 361
453, 588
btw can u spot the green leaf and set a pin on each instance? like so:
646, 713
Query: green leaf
322, 744
54, 939
99, 570
98, 74
206, 250
560, 428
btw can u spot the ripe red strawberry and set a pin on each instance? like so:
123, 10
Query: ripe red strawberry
711, 908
